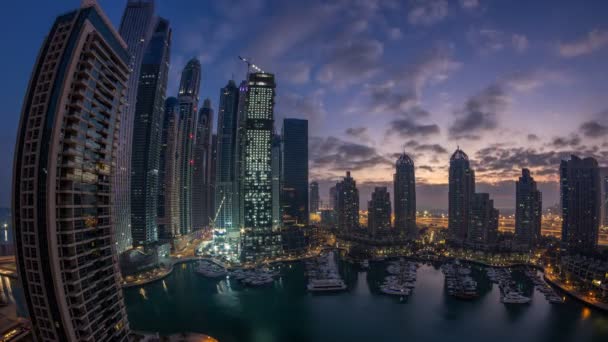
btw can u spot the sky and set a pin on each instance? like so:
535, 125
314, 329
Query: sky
512, 83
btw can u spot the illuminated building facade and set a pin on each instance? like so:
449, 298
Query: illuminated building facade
404, 182
528, 210
460, 192
201, 175
580, 200
379, 212
259, 239
347, 204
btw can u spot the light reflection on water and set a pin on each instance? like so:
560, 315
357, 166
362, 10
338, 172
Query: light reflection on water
284, 311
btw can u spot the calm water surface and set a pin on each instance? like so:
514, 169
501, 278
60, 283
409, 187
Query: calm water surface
186, 301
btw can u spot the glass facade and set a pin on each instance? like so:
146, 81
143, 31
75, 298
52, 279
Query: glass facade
201, 175
168, 181
147, 134
528, 210
188, 104
294, 172
136, 27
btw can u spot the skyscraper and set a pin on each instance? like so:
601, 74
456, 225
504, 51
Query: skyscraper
379, 212
294, 171
239, 171
580, 200
188, 103
225, 171
147, 134
314, 197
62, 186
528, 210
461, 190
168, 176
277, 213
404, 182
136, 27
347, 204
201, 175
333, 198
259, 239
483, 222
604, 180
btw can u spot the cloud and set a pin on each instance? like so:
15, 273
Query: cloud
310, 106
295, 72
427, 12
395, 33
487, 41
533, 137
351, 61
360, 133
571, 141
520, 42
594, 129
469, 4
480, 113
334, 154
594, 40
407, 127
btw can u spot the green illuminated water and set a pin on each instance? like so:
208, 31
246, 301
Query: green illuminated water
186, 301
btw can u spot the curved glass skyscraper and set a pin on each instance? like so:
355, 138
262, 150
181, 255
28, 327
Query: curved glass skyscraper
136, 27
147, 133
188, 105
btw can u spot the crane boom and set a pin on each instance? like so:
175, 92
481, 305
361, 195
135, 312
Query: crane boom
250, 65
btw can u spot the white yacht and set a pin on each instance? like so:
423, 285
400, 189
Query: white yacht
514, 298
325, 285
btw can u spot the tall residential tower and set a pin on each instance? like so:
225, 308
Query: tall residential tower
404, 182
580, 200
528, 210
460, 194
259, 239
147, 134
188, 104
136, 26
62, 186
294, 171
201, 175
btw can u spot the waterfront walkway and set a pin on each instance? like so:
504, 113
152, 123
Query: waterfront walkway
576, 294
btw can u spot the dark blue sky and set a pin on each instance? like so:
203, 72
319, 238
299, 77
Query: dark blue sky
514, 83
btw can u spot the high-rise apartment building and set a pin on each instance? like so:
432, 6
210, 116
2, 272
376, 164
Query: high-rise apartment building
528, 210
259, 239
461, 190
225, 200
277, 213
483, 222
347, 204
314, 197
580, 199
294, 172
188, 104
62, 187
147, 134
168, 175
404, 182
136, 27
201, 175
379, 212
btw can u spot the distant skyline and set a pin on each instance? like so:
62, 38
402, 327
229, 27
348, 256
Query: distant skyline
514, 84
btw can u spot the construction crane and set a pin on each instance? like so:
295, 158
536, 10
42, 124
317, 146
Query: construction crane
250, 65
217, 213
